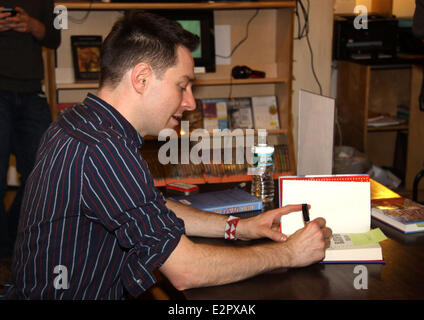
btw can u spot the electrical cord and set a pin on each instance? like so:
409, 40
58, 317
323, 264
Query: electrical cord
303, 32
84, 18
236, 47
242, 40
312, 64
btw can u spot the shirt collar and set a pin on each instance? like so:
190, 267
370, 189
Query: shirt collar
110, 115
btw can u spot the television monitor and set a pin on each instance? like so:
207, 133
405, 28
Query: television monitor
201, 23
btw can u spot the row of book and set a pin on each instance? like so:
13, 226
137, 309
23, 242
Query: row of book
258, 112
211, 172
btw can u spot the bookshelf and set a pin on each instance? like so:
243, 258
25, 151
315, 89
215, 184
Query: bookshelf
365, 88
268, 48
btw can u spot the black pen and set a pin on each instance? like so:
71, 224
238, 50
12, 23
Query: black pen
305, 212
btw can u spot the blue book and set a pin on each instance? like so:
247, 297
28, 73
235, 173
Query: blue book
224, 202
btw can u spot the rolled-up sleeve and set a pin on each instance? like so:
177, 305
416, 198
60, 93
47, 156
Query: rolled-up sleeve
118, 190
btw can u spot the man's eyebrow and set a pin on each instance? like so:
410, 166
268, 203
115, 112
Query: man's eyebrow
189, 79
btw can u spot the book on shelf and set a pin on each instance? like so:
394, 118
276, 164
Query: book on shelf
228, 201
240, 113
403, 112
281, 159
265, 112
385, 120
343, 200
194, 117
401, 213
86, 56
345, 249
215, 114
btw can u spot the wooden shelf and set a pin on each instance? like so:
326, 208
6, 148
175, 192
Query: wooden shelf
206, 82
77, 86
177, 6
210, 179
226, 82
389, 128
229, 133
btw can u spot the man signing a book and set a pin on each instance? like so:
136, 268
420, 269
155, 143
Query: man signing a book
91, 208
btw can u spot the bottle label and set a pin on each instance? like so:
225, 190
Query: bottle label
263, 159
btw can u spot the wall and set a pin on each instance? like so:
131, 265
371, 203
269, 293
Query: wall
403, 8
321, 37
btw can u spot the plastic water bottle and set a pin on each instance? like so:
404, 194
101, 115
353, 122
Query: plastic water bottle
263, 171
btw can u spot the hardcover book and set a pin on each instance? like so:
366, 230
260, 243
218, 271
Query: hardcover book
224, 202
265, 112
240, 113
215, 114
400, 213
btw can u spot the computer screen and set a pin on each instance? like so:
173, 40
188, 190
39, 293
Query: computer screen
194, 26
201, 23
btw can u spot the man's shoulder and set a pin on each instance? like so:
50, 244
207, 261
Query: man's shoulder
86, 129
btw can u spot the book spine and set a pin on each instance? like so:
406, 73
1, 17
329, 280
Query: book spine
238, 208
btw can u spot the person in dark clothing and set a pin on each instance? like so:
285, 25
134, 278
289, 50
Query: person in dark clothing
418, 20
24, 112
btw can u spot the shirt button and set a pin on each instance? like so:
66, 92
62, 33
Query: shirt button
139, 282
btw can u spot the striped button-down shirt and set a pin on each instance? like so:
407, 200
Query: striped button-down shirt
92, 221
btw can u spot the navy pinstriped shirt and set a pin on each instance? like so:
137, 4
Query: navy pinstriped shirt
92, 221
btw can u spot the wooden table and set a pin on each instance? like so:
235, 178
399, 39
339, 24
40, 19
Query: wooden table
401, 277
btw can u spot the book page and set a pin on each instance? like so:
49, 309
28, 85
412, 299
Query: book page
346, 206
341, 241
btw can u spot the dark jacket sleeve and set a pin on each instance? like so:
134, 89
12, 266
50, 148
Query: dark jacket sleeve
418, 21
52, 37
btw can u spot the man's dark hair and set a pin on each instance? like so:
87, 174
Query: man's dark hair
142, 36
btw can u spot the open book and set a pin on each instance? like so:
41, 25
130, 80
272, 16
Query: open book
344, 249
344, 201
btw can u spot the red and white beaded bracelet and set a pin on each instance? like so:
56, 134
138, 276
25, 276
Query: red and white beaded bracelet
230, 228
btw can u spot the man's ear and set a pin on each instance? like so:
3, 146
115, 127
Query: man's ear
140, 75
